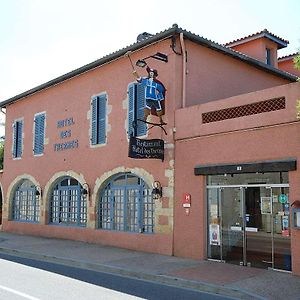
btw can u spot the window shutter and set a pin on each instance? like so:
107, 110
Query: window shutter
130, 109
94, 120
19, 134
142, 127
14, 151
102, 119
39, 134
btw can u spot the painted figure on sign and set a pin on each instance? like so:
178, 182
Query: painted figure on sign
154, 94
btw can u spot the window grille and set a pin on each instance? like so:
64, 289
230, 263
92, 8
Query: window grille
25, 203
126, 204
244, 110
68, 205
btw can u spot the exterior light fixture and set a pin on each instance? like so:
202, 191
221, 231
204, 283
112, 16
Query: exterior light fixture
38, 191
157, 190
141, 63
158, 56
85, 189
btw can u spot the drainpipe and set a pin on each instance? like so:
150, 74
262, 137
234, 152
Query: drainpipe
183, 70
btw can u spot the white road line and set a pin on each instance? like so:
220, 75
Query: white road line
18, 293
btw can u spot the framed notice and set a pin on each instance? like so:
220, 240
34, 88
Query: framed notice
266, 205
214, 234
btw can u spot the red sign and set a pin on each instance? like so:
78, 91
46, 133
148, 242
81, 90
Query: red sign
186, 201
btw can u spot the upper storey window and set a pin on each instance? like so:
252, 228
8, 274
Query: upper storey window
136, 106
98, 122
17, 139
39, 133
268, 56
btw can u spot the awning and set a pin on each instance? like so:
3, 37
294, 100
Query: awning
289, 164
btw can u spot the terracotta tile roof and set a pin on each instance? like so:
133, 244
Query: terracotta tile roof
264, 33
289, 56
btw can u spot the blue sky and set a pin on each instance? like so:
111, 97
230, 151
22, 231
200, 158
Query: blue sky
41, 40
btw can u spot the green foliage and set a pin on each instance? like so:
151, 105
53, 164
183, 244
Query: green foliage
1, 154
297, 61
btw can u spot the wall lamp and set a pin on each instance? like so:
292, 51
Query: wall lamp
85, 189
38, 190
159, 56
157, 190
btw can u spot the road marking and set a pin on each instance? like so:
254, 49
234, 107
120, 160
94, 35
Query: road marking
18, 293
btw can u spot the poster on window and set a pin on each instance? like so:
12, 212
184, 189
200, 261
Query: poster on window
214, 234
266, 205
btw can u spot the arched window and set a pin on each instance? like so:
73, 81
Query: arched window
68, 203
126, 204
26, 202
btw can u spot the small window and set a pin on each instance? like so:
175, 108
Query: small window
136, 105
268, 56
17, 138
99, 119
39, 133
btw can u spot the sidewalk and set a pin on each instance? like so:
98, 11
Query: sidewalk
225, 279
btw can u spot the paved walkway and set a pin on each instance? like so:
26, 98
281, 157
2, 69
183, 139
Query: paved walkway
230, 280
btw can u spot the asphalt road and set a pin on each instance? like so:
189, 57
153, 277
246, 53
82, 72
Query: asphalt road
22, 278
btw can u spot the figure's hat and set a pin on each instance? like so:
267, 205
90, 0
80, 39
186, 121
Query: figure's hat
152, 70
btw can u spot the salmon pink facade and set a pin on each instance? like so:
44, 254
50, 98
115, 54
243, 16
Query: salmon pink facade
67, 173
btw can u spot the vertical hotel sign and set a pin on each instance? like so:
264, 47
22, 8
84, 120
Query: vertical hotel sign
65, 134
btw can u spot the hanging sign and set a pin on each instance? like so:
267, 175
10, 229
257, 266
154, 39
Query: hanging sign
139, 148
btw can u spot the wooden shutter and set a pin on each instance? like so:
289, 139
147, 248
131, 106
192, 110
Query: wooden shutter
94, 120
14, 149
130, 109
18, 133
39, 134
141, 126
136, 109
102, 119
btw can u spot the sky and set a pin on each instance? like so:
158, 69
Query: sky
44, 39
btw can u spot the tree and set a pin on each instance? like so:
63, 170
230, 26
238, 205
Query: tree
297, 61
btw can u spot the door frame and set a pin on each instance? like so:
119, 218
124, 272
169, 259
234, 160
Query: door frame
242, 188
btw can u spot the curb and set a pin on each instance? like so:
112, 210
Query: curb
162, 279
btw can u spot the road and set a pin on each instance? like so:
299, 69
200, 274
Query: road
22, 278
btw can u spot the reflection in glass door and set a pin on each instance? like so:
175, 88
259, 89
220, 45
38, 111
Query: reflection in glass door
225, 217
281, 229
258, 216
249, 225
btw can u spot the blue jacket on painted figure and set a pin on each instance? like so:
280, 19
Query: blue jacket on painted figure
153, 89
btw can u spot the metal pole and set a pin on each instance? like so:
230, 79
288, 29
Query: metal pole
242, 195
221, 221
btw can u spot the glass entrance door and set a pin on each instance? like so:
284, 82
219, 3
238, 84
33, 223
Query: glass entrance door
281, 229
258, 231
226, 225
249, 225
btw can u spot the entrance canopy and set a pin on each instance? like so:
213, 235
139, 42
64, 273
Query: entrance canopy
289, 164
